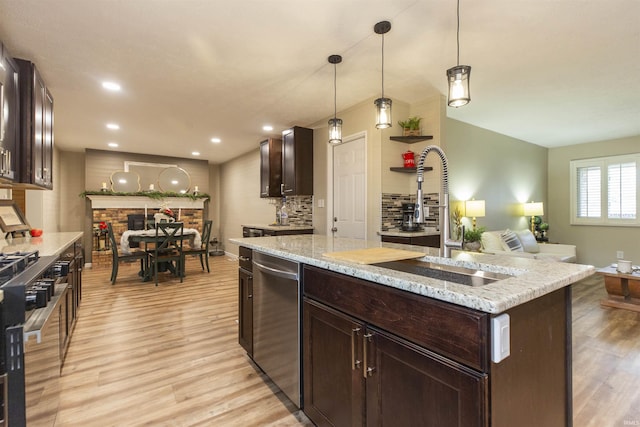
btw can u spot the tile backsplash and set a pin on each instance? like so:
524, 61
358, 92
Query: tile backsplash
392, 210
299, 209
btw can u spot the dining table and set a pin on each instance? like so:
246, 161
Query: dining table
149, 237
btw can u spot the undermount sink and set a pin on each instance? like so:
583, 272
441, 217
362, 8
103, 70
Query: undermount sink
449, 273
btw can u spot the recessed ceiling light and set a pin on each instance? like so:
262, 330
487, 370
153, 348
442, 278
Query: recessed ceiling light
268, 128
113, 126
112, 86
113, 144
195, 153
216, 140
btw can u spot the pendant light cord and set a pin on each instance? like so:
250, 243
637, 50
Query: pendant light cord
335, 91
383, 66
458, 32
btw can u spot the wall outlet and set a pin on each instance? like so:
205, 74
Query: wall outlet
620, 254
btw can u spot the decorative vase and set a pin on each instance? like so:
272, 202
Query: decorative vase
410, 132
472, 246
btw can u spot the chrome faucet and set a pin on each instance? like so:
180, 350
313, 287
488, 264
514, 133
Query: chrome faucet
446, 244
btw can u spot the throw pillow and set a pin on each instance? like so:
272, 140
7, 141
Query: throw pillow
528, 241
491, 241
510, 241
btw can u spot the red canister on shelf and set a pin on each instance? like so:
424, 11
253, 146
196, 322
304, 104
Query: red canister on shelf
409, 159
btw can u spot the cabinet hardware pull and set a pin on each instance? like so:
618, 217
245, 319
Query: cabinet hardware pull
355, 364
243, 258
366, 370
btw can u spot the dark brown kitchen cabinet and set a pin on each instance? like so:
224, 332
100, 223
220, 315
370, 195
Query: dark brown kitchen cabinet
36, 128
376, 355
356, 374
9, 116
271, 168
245, 301
297, 162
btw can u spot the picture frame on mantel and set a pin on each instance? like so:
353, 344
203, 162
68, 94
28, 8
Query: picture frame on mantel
12, 219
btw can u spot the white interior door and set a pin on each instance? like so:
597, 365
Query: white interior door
349, 189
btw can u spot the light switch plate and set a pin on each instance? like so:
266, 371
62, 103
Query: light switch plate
500, 338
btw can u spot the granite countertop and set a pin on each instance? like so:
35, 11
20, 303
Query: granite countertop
279, 227
426, 231
531, 278
49, 244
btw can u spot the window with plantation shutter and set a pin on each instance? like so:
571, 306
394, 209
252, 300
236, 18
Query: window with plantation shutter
589, 192
604, 191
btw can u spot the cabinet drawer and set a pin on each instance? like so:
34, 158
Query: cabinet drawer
456, 332
245, 258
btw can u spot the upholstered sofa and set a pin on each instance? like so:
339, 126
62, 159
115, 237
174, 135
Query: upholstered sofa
522, 243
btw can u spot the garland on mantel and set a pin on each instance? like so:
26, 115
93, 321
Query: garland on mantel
156, 195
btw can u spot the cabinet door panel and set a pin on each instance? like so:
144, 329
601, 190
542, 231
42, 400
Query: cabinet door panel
270, 168
245, 307
413, 387
333, 381
47, 141
297, 161
9, 117
38, 129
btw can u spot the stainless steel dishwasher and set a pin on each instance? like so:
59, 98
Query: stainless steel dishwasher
277, 322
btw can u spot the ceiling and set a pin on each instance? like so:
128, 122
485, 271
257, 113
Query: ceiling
553, 72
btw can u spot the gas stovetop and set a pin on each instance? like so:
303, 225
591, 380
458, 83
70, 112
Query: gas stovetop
12, 264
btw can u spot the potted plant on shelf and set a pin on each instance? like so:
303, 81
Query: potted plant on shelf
473, 238
411, 126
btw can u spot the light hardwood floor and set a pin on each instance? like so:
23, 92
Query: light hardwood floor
168, 356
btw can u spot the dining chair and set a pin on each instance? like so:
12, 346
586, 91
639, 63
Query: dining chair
203, 250
168, 248
118, 256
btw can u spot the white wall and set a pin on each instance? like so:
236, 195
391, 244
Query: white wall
503, 171
596, 245
240, 201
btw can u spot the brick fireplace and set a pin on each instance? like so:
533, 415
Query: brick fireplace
117, 211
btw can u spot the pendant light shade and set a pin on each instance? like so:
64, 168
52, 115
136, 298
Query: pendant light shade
335, 124
335, 131
383, 105
458, 76
383, 113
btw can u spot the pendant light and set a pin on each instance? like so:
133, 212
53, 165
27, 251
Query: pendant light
335, 124
458, 76
383, 105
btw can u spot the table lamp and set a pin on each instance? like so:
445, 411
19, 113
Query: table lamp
533, 209
474, 208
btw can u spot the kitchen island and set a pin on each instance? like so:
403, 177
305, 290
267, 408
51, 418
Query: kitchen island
387, 347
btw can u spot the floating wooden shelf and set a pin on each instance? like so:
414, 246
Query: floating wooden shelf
410, 170
411, 139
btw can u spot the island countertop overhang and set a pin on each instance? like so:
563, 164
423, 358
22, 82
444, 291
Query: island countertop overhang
530, 278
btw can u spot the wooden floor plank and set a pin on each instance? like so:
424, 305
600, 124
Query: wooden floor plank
168, 356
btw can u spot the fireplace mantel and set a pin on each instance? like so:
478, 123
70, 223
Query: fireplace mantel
141, 202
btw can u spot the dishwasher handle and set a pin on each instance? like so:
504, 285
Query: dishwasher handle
276, 272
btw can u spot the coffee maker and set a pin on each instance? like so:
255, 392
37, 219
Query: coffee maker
408, 223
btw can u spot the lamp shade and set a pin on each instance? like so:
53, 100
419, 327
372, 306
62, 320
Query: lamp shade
474, 208
383, 113
335, 131
458, 78
533, 209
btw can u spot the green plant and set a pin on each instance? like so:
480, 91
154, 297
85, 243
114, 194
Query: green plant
412, 123
456, 216
473, 234
544, 226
